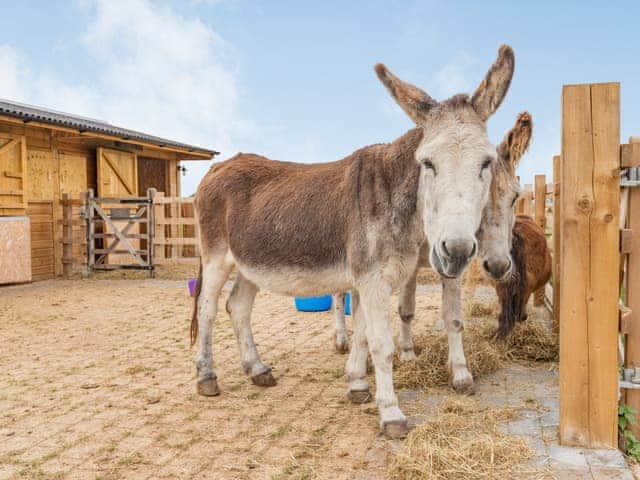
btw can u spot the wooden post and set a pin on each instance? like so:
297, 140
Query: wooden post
632, 357
540, 218
67, 236
151, 193
557, 239
527, 208
159, 224
589, 265
91, 232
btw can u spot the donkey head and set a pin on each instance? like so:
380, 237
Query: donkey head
494, 235
456, 160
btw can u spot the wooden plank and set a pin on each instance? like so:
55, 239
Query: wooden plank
626, 240
159, 233
176, 221
540, 185
589, 265
577, 167
557, 248
629, 155
605, 258
176, 241
67, 236
632, 351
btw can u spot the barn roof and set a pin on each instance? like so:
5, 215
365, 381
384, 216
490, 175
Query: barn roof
30, 113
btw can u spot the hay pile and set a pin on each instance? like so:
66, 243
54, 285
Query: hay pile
464, 441
529, 341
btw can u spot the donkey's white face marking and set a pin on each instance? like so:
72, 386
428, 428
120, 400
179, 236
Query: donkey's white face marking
456, 161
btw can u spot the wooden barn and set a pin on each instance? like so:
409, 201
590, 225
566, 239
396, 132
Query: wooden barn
45, 154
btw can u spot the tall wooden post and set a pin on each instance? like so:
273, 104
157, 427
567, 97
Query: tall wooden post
67, 235
527, 208
557, 239
91, 232
632, 357
159, 224
589, 265
540, 206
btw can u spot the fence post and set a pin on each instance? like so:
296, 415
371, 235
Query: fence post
540, 218
91, 231
151, 193
67, 236
632, 351
527, 206
159, 219
589, 265
557, 239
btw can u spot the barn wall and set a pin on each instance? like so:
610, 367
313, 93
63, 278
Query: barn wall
62, 162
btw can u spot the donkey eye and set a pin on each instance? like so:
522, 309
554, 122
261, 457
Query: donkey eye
486, 164
515, 199
428, 164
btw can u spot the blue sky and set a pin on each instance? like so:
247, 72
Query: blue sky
294, 80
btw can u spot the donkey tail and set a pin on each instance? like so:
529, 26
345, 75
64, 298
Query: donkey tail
194, 317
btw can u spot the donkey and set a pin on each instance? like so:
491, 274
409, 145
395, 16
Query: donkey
353, 224
494, 238
532, 269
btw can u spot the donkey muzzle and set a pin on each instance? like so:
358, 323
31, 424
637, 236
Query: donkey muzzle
453, 255
498, 269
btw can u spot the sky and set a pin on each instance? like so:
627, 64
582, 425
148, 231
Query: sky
294, 80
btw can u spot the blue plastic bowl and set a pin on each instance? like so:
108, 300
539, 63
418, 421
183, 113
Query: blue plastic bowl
313, 304
347, 304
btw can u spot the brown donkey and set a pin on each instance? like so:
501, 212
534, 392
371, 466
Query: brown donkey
354, 224
532, 270
494, 237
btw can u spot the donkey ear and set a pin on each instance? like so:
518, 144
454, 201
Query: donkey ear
516, 141
415, 102
489, 94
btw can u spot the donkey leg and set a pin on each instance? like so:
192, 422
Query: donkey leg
342, 340
407, 310
215, 271
461, 378
356, 369
239, 306
375, 296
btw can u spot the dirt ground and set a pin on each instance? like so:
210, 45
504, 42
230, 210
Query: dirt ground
98, 383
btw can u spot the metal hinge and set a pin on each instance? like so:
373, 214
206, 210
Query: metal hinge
630, 177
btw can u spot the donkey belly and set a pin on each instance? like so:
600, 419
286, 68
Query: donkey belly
294, 281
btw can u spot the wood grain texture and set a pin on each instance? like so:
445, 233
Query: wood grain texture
589, 265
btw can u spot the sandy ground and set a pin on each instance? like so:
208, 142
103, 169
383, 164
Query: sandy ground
98, 382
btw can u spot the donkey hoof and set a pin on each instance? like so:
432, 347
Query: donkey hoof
208, 387
395, 429
359, 396
342, 346
264, 379
407, 355
464, 385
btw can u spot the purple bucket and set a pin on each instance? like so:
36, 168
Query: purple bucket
192, 286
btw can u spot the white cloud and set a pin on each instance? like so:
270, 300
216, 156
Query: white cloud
12, 74
457, 76
155, 71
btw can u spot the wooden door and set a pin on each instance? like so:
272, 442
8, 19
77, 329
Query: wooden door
118, 178
117, 173
13, 175
42, 247
73, 174
42, 175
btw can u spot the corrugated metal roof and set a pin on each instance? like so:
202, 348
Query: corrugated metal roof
29, 113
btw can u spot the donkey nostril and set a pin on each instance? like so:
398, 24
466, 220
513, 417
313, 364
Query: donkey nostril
473, 250
444, 248
485, 264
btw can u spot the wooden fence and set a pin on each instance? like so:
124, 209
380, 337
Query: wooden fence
127, 233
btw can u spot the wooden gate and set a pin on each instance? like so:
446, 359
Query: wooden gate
13, 174
120, 219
